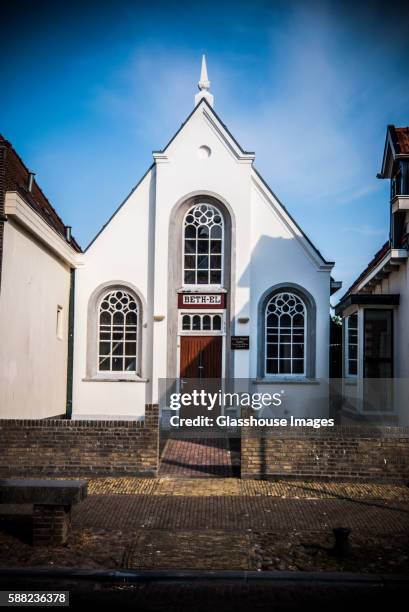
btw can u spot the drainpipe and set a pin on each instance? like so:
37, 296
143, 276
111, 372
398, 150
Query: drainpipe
70, 354
3, 218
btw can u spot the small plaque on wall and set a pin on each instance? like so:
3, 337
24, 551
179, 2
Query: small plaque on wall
240, 343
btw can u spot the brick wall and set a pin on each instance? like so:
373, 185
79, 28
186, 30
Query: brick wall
345, 453
64, 447
51, 524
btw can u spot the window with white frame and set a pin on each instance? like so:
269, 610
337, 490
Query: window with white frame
203, 237
352, 345
60, 323
207, 322
118, 318
285, 334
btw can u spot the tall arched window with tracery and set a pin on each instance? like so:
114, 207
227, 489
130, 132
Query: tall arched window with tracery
285, 335
118, 331
203, 237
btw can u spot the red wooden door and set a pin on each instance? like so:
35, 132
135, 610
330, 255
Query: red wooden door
201, 357
200, 368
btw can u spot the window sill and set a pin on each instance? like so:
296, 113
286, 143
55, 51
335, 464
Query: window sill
134, 379
286, 381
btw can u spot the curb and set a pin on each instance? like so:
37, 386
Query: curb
205, 575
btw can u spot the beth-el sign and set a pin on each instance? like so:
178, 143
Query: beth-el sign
202, 300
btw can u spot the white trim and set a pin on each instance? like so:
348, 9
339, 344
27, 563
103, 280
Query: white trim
358, 381
375, 271
202, 332
226, 139
17, 209
217, 128
400, 202
202, 289
109, 377
346, 354
160, 157
393, 256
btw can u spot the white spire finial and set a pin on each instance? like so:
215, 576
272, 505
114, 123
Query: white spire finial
204, 82
204, 85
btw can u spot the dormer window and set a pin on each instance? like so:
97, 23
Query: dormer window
396, 185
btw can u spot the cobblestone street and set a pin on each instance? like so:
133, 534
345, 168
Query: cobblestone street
223, 523
235, 512
294, 489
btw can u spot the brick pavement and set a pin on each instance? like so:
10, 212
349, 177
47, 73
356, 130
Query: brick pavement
232, 524
226, 523
199, 457
232, 513
216, 550
263, 550
128, 485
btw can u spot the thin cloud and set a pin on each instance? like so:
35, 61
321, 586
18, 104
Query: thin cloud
310, 87
364, 230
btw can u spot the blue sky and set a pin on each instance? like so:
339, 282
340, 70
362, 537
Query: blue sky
89, 89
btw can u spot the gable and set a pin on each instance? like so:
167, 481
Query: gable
214, 122
396, 146
203, 115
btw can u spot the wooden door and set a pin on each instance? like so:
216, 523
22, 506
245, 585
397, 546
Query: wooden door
378, 360
200, 368
201, 357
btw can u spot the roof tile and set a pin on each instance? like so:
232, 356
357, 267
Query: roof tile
16, 179
401, 135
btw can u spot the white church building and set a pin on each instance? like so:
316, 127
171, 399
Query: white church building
201, 272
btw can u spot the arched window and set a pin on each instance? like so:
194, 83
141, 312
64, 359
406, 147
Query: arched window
203, 235
118, 331
285, 334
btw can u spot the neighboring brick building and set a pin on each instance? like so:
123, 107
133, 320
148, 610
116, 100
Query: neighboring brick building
37, 255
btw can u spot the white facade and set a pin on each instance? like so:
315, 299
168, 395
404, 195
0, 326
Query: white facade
140, 251
388, 401
34, 309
